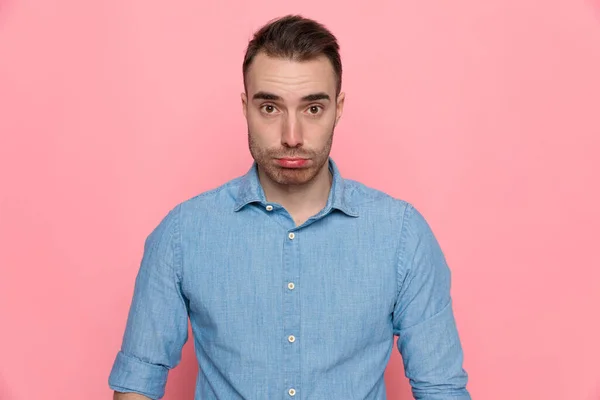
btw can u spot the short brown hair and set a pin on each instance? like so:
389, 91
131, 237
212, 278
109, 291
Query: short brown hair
296, 38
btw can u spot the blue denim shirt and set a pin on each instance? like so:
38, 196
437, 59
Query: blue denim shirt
280, 311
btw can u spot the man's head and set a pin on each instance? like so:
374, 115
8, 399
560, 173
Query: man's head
292, 100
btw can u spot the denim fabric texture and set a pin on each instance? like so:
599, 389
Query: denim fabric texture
280, 311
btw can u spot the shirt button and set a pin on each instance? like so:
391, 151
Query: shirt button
291, 339
291, 286
291, 235
269, 208
292, 392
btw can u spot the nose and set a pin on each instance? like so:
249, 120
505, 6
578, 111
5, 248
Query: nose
291, 135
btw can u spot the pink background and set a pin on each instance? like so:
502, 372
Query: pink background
484, 114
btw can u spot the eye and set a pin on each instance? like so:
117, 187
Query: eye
314, 110
268, 108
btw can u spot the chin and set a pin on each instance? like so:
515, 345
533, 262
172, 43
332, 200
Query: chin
298, 176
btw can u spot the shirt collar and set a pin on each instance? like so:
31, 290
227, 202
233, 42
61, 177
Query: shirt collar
251, 191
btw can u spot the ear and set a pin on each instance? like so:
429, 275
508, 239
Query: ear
244, 98
339, 107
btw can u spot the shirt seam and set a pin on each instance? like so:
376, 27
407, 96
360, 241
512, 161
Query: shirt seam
177, 265
400, 275
177, 240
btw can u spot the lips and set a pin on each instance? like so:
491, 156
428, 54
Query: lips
292, 162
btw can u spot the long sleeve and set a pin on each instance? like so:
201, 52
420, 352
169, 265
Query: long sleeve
423, 317
157, 325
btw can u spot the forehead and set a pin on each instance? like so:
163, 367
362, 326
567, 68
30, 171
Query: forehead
290, 78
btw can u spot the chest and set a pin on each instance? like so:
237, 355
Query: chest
339, 276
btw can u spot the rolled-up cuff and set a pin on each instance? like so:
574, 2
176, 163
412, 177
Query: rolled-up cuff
131, 375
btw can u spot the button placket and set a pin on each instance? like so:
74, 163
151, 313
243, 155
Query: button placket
291, 309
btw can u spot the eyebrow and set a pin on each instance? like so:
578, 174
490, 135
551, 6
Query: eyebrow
266, 96
316, 96
311, 97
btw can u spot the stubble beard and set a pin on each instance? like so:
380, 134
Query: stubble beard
290, 176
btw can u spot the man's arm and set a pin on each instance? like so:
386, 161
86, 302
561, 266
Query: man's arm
157, 325
423, 318
129, 396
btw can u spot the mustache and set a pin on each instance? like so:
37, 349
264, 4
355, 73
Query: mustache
282, 153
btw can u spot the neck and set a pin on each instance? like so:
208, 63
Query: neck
301, 201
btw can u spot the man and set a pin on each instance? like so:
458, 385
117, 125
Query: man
295, 280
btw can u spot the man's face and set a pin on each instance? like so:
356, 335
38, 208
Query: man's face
291, 110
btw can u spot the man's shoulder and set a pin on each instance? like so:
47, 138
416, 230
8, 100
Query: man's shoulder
212, 201
217, 198
381, 205
367, 197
